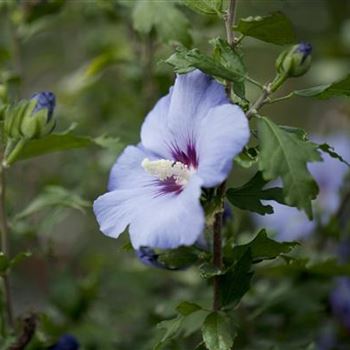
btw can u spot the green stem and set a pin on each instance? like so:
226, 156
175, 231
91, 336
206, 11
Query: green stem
264, 97
229, 20
254, 82
259, 103
14, 153
277, 82
5, 246
283, 98
239, 39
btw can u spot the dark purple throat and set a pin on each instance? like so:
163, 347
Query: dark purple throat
188, 157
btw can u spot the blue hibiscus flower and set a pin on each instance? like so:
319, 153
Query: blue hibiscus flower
188, 141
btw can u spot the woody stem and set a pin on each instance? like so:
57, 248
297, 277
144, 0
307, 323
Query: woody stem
217, 226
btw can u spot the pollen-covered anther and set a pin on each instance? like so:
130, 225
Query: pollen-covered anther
164, 169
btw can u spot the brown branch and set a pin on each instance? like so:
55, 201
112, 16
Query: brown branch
28, 331
217, 249
217, 226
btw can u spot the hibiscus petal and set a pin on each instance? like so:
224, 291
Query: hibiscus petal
155, 134
169, 221
193, 96
222, 135
114, 211
173, 122
127, 171
156, 220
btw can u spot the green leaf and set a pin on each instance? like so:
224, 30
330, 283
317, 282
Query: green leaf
217, 332
250, 195
283, 154
275, 28
189, 321
236, 281
248, 157
262, 248
4, 263
179, 258
322, 92
208, 270
184, 61
171, 328
207, 7
53, 143
19, 258
330, 150
64, 141
163, 16
186, 308
53, 196
232, 60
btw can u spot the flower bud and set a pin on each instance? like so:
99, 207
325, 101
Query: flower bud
66, 342
31, 119
295, 61
148, 257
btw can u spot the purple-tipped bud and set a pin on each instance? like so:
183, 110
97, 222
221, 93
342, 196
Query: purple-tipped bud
305, 49
66, 342
149, 257
295, 61
45, 100
31, 119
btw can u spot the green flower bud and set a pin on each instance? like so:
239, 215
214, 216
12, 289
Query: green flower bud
295, 61
31, 119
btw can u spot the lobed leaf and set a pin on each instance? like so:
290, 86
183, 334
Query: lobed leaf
274, 28
248, 157
284, 154
184, 61
250, 195
263, 248
230, 58
330, 150
236, 281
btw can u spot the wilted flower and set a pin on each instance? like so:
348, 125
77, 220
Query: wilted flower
188, 141
66, 342
295, 61
289, 223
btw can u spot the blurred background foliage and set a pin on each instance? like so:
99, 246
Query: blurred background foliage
103, 60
